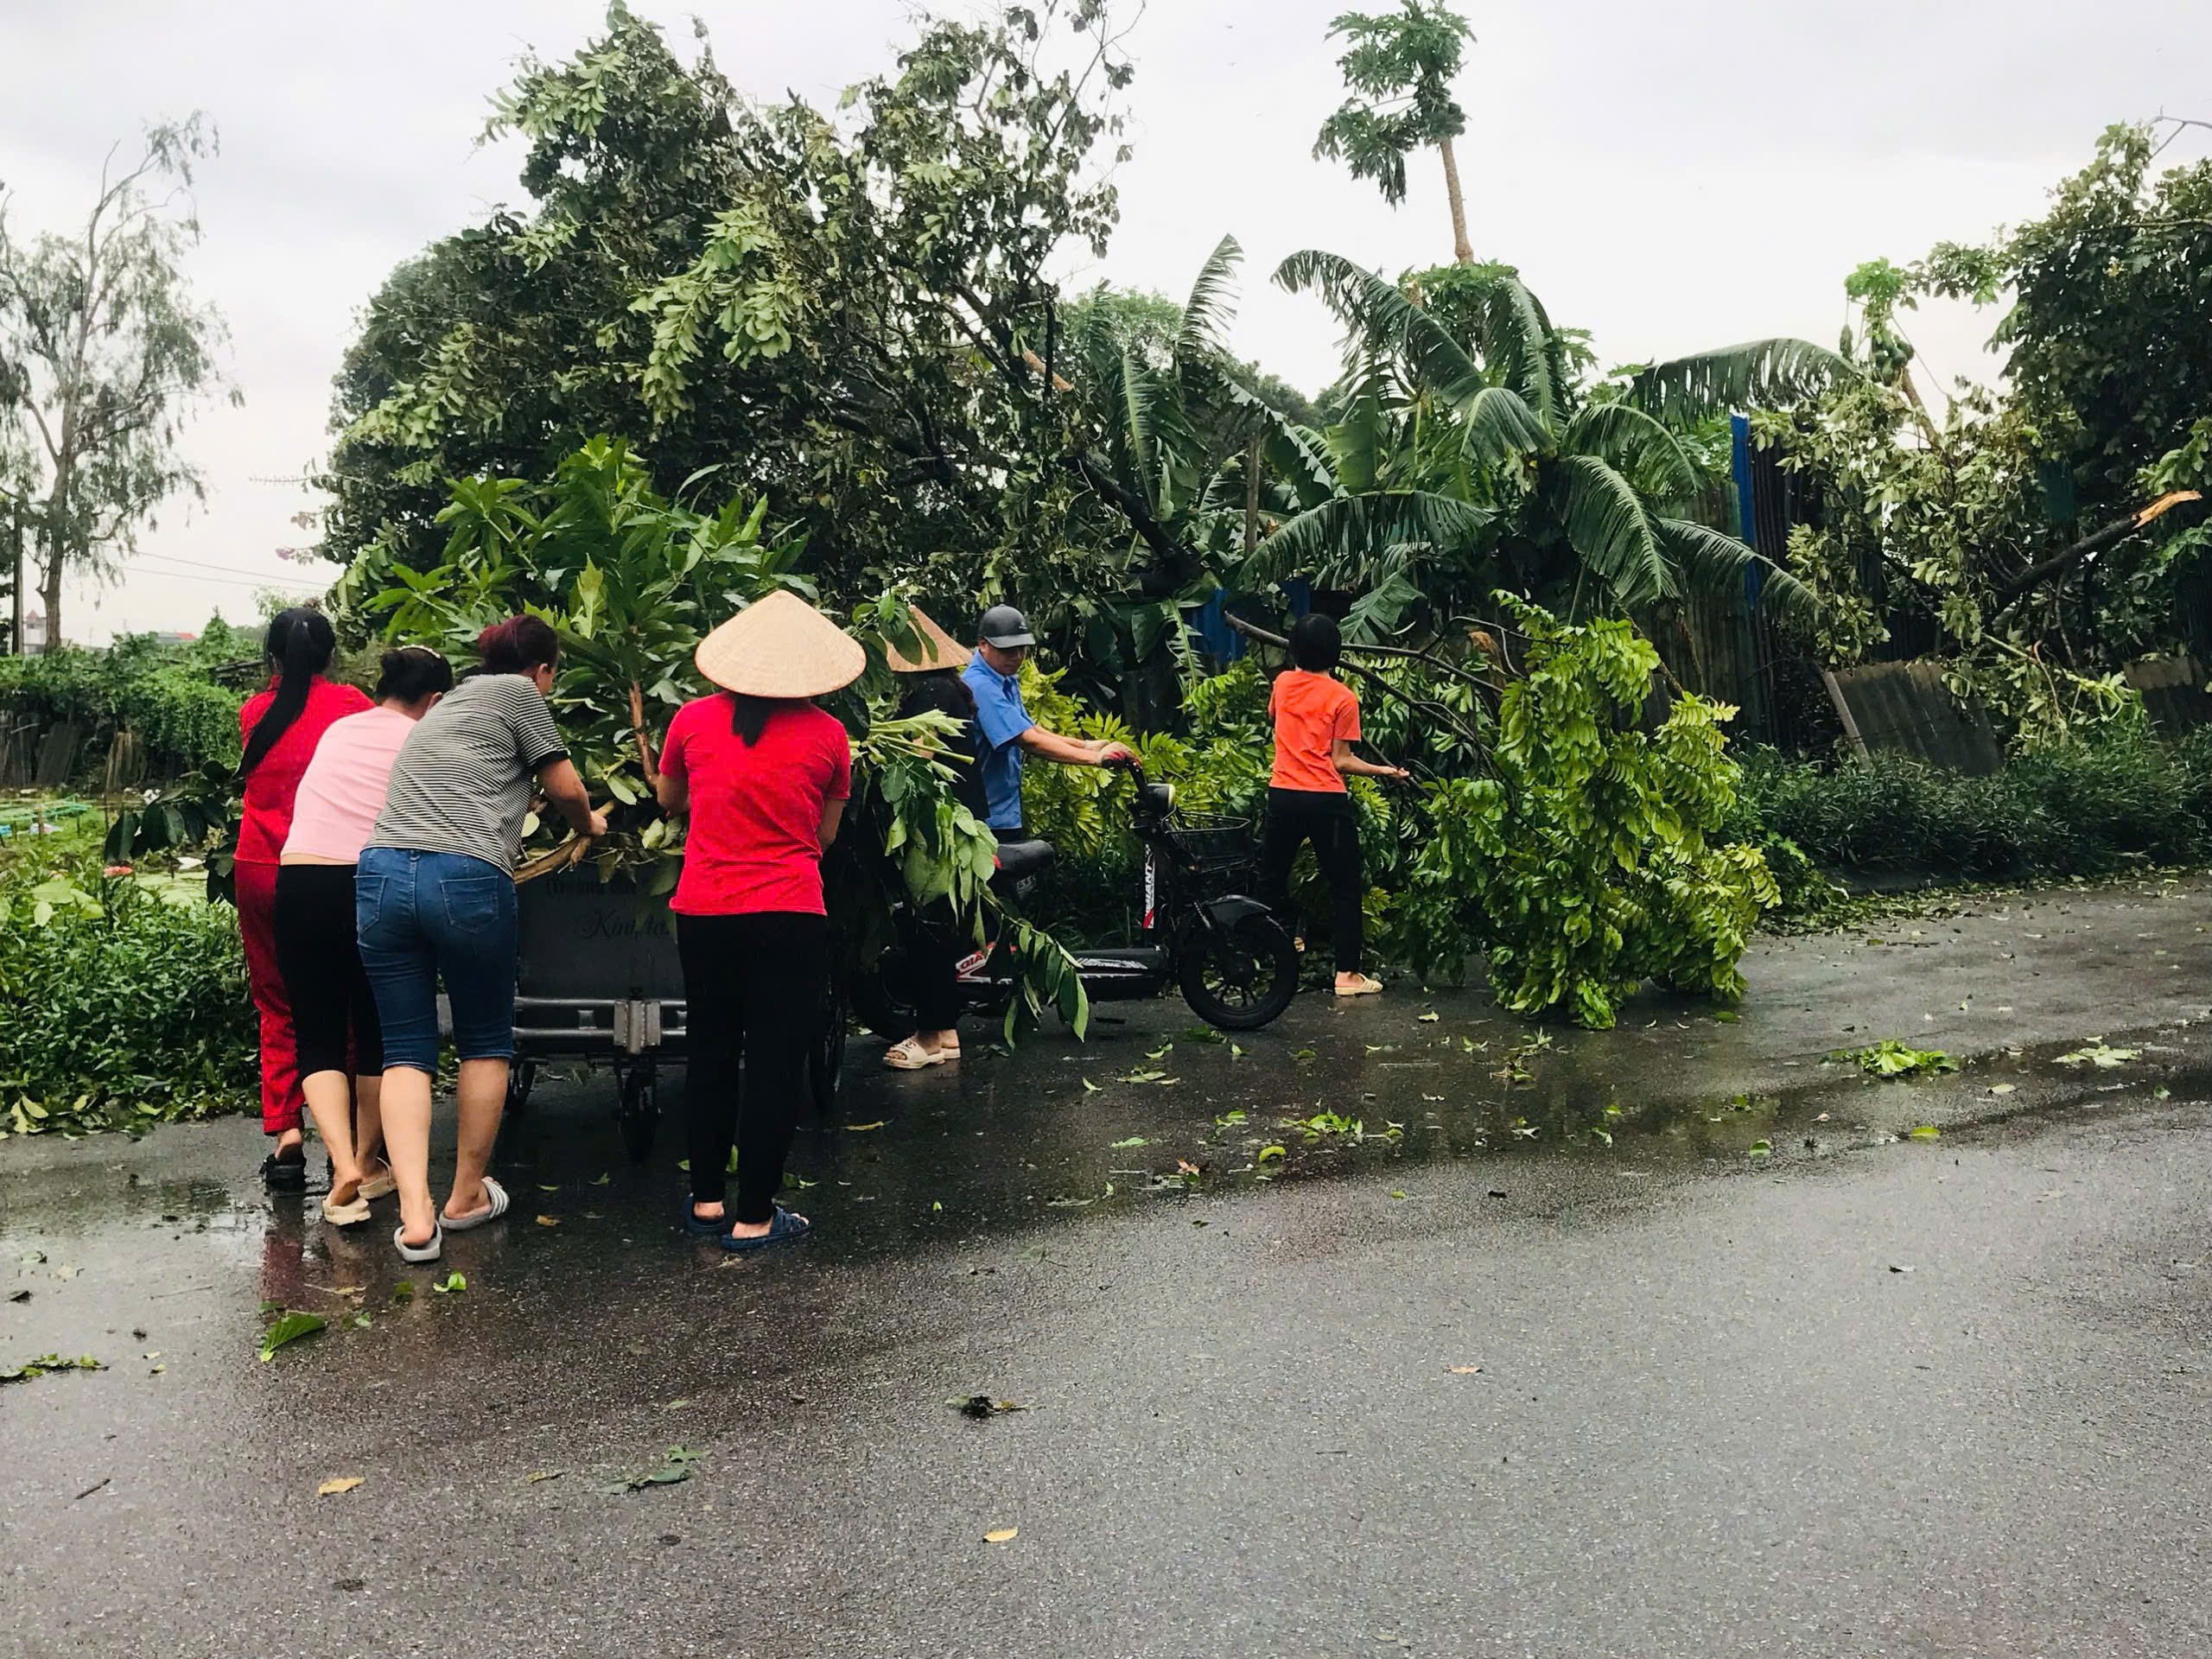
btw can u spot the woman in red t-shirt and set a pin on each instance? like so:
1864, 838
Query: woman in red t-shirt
764, 776
1317, 722
280, 727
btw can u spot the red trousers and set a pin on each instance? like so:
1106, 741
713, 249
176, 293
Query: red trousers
281, 1100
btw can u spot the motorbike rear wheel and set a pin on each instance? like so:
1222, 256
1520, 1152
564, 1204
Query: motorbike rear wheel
1238, 978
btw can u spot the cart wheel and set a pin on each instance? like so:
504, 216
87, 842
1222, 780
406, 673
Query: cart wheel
638, 1111
521, 1077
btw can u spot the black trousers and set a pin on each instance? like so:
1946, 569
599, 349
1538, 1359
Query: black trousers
753, 987
1294, 818
333, 1013
935, 943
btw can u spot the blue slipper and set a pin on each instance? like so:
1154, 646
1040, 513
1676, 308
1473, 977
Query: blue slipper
784, 1227
701, 1226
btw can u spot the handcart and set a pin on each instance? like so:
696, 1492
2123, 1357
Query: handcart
600, 981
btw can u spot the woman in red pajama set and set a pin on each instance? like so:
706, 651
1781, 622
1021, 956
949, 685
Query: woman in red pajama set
280, 727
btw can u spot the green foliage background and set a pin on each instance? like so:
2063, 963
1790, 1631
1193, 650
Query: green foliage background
165, 695
142, 1011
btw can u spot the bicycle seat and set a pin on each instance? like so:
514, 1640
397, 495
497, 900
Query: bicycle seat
1020, 859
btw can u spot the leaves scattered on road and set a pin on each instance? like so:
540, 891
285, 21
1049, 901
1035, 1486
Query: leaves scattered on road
1891, 1059
339, 1485
46, 1362
2097, 1053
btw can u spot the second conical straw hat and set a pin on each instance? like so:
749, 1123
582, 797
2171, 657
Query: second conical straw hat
934, 650
781, 646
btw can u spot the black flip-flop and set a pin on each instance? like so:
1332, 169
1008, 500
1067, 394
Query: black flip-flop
281, 1175
784, 1227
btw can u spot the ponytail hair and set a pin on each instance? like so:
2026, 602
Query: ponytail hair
298, 648
518, 645
750, 716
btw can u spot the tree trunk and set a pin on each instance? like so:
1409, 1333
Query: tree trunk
20, 569
52, 599
1251, 499
1460, 250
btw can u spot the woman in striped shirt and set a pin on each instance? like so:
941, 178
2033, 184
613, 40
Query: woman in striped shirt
434, 899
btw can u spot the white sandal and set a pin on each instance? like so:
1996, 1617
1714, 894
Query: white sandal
909, 1055
1361, 986
382, 1184
346, 1215
429, 1252
495, 1206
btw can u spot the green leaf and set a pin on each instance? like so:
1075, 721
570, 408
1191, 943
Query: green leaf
1759, 374
290, 1327
452, 1285
2097, 1053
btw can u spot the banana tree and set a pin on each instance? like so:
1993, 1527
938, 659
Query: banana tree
1170, 428
1474, 455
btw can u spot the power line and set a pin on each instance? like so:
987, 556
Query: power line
201, 564
229, 581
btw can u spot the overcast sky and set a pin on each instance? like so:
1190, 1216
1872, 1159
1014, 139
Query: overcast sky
1671, 177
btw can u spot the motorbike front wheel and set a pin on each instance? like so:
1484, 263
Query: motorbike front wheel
1241, 977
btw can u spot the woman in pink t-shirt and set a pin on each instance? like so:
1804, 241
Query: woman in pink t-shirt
332, 1012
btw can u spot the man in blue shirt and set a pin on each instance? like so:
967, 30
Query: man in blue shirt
1008, 735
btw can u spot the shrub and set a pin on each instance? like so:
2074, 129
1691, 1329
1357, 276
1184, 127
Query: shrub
137, 1007
2078, 808
164, 694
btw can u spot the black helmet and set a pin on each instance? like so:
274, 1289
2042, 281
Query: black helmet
1005, 627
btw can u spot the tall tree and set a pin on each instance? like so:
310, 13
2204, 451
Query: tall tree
1400, 69
2045, 534
102, 355
849, 313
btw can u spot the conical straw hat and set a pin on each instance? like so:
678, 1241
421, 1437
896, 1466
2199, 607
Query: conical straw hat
938, 649
781, 646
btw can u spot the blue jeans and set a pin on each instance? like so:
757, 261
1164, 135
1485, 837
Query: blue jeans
422, 917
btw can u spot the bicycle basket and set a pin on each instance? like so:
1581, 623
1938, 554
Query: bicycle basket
1213, 844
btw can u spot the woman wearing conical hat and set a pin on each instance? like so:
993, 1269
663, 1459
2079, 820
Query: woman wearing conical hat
931, 683
763, 775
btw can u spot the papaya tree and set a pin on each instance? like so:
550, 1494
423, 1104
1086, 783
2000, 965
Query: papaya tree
1399, 69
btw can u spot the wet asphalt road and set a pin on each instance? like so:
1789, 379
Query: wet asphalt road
1711, 1415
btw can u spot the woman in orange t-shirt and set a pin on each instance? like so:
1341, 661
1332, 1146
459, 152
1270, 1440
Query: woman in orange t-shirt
1317, 720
